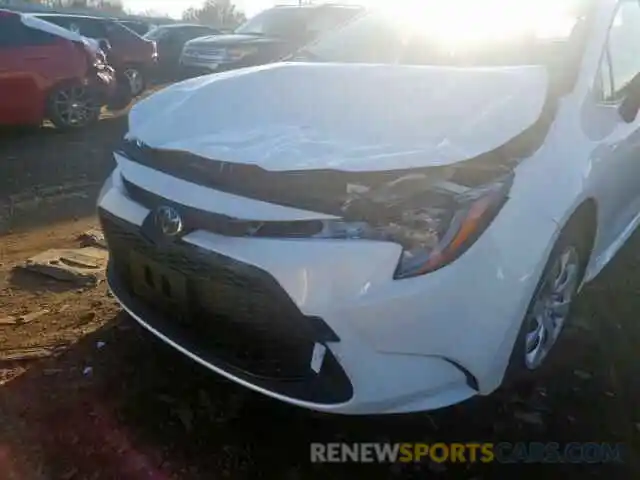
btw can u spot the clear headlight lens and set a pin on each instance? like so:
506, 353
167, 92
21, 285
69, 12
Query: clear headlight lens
434, 233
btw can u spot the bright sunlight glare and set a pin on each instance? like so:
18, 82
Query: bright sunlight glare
467, 22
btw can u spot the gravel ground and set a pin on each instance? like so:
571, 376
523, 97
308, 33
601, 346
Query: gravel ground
110, 402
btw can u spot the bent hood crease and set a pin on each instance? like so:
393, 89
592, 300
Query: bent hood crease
296, 116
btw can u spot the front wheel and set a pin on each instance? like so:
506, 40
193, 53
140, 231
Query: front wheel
550, 308
72, 107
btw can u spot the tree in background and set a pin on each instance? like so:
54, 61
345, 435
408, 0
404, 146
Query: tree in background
216, 13
110, 6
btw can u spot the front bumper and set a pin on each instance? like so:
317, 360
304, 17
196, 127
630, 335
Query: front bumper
240, 321
402, 346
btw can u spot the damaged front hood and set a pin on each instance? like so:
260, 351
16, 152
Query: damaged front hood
346, 117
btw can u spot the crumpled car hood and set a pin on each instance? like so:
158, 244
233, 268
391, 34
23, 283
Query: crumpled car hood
346, 117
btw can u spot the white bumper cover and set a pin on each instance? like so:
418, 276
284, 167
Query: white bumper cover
405, 345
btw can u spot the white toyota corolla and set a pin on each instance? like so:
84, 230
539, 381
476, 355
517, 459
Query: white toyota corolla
392, 221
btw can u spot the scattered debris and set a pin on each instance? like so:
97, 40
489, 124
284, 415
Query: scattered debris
8, 374
582, 375
610, 394
92, 238
30, 317
87, 371
64, 308
100, 345
85, 266
10, 320
87, 317
29, 353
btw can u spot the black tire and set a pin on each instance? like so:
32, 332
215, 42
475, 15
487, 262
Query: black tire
72, 106
517, 370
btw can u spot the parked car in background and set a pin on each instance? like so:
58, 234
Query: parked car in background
47, 72
170, 40
133, 57
141, 28
267, 37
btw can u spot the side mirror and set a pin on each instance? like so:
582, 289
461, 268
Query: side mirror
630, 104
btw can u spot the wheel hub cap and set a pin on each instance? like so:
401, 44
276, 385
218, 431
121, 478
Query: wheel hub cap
551, 307
74, 105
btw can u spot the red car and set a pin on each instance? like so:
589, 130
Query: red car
131, 55
47, 72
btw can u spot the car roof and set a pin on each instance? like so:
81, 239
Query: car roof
185, 25
8, 13
313, 6
68, 15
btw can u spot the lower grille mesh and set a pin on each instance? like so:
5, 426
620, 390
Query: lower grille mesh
236, 311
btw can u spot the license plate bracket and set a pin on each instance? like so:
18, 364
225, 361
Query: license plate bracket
162, 285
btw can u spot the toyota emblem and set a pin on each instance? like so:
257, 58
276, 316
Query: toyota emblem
168, 221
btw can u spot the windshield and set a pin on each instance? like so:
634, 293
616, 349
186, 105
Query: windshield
447, 35
121, 31
277, 22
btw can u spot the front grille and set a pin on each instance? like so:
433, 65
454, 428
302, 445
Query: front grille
197, 219
206, 49
237, 312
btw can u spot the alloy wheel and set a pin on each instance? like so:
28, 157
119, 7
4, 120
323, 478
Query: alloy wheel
551, 307
74, 106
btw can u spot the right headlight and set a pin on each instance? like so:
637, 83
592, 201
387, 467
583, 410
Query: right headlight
434, 227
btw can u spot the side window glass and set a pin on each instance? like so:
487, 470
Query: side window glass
60, 21
624, 47
91, 28
330, 19
75, 28
11, 34
34, 37
117, 31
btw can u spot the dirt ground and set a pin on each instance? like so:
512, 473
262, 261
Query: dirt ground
107, 401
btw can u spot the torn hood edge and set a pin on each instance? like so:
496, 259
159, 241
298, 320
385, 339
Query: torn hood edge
345, 157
